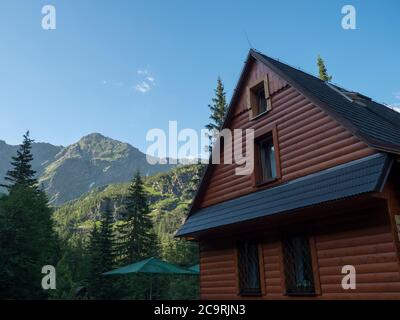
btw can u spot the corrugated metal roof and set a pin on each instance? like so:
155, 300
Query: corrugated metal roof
360, 176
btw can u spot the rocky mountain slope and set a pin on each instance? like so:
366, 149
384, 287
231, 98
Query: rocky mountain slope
66, 173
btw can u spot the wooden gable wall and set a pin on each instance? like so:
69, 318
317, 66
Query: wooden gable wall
309, 140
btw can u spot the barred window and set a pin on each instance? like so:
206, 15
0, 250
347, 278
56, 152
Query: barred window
249, 268
298, 266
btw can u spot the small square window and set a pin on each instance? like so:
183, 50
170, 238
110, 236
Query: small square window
249, 268
258, 97
299, 276
267, 162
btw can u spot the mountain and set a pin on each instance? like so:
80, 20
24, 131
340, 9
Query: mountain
66, 173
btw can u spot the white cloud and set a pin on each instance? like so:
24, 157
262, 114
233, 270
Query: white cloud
146, 82
143, 87
151, 79
142, 71
395, 106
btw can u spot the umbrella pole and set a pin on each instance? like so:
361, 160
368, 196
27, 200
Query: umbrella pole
151, 286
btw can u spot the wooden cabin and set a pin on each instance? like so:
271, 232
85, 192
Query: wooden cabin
324, 194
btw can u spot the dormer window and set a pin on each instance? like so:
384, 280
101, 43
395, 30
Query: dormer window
259, 99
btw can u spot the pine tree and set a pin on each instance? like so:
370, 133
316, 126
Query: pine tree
323, 72
136, 233
22, 172
102, 252
218, 110
27, 239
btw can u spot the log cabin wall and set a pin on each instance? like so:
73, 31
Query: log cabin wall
308, 139
362, 238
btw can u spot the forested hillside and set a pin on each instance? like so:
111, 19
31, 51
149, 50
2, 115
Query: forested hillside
169, 196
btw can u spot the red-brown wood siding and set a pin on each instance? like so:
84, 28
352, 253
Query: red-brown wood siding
309, 140
360, 237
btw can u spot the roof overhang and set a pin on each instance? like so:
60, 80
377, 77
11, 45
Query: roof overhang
358, 177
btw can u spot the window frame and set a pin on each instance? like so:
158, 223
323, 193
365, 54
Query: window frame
313, 265
261, 134
252, 97
260, 265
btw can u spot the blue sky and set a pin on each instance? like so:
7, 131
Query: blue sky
87, 75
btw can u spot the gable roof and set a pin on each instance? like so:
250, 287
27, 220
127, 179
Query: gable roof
360, 176
375, 124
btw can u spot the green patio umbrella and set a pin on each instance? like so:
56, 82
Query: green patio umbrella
151, 266
195, 268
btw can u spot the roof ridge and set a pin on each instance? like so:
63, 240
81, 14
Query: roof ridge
329, 83
289, 65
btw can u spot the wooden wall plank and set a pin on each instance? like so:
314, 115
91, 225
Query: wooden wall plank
338, 239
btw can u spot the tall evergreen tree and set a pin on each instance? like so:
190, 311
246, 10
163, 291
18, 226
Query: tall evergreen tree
218, 107
323, 72
22, 172
136, 233
102, 252
27, 239
218, 110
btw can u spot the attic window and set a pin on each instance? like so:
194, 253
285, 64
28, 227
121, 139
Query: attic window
259, 99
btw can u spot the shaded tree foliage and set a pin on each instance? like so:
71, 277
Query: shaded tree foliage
27, 239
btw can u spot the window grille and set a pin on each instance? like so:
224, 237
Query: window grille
249, 268
298, 266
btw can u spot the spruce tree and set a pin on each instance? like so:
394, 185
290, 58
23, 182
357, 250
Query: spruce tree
218, 107
323, 72
136, 232
102, 257
218, 110
22, 172
27, 239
